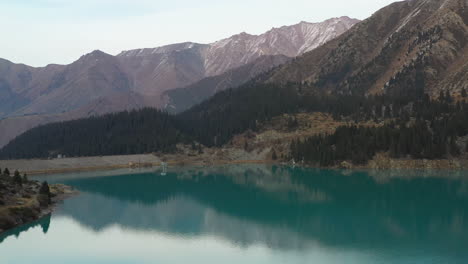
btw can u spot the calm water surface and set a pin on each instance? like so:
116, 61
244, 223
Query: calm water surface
251, 214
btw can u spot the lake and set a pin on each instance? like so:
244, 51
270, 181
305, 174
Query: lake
250, 214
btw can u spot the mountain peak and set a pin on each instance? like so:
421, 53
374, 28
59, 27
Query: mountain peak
161, 50
244, 34
96, 54
333, 19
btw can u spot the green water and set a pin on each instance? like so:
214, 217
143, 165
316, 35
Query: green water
251, 214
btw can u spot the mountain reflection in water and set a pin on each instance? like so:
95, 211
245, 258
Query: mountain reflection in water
281, 208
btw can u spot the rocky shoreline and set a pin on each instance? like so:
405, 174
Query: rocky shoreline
23, 201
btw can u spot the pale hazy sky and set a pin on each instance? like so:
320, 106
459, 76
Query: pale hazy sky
39, 32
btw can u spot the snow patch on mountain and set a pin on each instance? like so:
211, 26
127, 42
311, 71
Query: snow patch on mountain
290, 41
244, 48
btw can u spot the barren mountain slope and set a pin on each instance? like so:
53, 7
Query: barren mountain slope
21, 84
93, 76
385, 52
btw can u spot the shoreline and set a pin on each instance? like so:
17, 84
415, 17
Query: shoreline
134, 166
106, 163
34, 167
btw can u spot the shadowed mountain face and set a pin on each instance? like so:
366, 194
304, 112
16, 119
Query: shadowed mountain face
387, 53
93, 76
181, 99
99, 83
281, 207
20, 84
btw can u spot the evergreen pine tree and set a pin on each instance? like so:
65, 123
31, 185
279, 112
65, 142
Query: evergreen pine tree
17, 178
454, 150
44, 189
441, 97
273, 155
448, 97
200, 150
44, 196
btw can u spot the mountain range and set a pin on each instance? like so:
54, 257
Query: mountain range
99, 83
402, 74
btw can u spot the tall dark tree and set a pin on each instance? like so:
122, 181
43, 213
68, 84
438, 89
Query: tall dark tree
448, 97
17, 178
44, 194
441, 96
274, 156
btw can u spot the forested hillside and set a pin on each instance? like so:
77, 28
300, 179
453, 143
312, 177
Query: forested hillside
142, 131
431, 130
212, 123
412, 126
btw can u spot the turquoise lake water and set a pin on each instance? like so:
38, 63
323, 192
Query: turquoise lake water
250, 214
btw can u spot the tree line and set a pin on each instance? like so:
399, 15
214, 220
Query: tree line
415, 118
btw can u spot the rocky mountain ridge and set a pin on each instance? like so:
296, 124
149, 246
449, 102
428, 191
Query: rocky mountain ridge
244, 48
